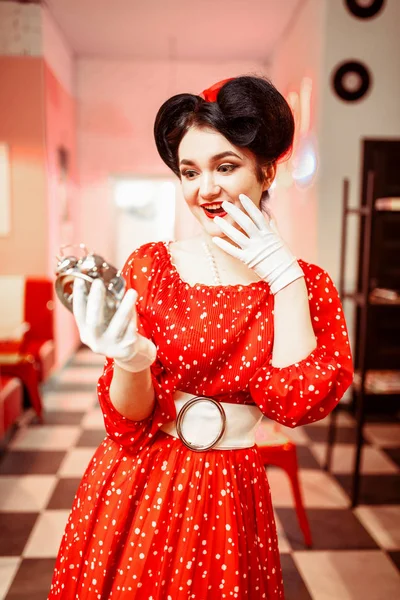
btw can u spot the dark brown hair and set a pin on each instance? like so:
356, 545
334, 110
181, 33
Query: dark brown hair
249, 112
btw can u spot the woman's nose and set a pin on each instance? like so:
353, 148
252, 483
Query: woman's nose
209, 189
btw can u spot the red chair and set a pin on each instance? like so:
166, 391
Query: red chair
31, 356
39, 339
278, 450
11, 403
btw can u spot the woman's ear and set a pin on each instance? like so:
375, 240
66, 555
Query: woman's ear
269, 171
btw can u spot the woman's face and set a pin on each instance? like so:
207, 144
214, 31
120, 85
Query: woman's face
213, 170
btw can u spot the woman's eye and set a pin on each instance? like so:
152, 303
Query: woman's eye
188, 174
227, 168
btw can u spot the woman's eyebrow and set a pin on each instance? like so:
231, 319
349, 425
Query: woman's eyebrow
185, 161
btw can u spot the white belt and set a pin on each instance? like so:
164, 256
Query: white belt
203, 423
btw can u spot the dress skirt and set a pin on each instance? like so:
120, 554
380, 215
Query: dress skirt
168, 523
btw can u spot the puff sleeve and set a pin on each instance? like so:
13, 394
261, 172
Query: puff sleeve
309, 390
139, 271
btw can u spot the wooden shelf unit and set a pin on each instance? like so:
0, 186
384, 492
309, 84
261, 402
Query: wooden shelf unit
371, 296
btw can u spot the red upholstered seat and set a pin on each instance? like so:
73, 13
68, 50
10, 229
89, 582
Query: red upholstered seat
39, 339
11, 402
33, 357
43, 352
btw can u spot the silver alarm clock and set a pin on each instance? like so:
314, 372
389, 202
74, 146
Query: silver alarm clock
88, 267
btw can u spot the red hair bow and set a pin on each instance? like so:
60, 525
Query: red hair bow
210, 95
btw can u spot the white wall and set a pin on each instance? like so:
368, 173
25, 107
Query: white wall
376, 42
20, 29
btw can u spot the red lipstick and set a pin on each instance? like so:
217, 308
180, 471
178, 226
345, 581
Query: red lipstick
213, 209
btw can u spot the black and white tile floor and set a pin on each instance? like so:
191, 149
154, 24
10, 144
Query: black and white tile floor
355, 554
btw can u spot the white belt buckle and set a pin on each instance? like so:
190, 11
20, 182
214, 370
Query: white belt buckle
181, 415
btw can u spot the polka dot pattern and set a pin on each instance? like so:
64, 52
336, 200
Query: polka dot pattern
153, 520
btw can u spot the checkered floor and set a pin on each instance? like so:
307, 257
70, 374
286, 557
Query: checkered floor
355, 554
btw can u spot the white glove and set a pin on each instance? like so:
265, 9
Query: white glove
120, 340
262, 249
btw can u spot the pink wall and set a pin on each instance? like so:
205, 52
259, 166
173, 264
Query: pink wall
300, 55
60, 108
117, 104
22, 120
37, 115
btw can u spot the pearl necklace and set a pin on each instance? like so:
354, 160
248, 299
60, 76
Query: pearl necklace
213, 264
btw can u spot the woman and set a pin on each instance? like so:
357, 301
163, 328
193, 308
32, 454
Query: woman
172, 505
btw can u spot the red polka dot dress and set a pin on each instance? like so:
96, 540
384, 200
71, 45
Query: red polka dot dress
153, 520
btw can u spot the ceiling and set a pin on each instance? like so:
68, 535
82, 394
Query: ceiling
206, 30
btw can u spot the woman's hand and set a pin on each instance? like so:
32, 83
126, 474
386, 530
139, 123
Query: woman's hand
262, 249
120, 340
